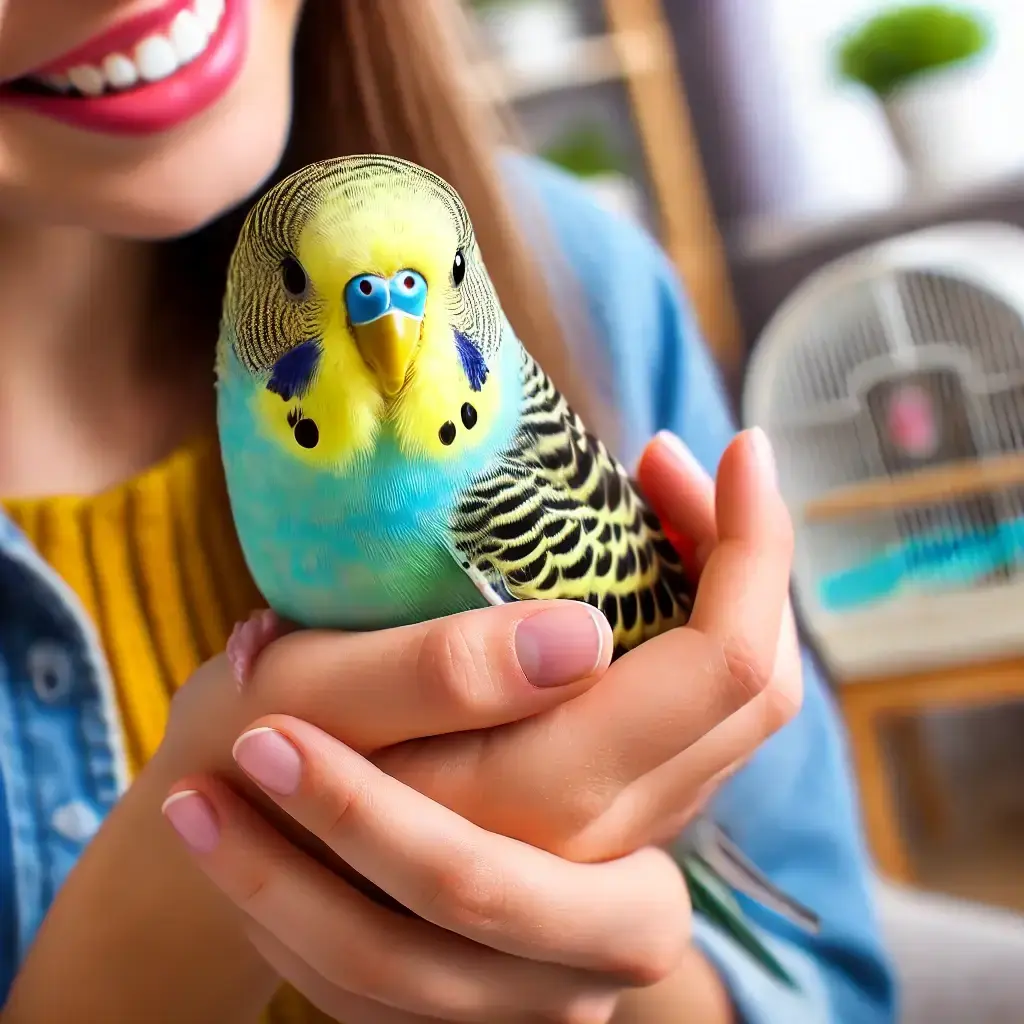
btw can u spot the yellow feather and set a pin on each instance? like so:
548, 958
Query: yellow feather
339, 241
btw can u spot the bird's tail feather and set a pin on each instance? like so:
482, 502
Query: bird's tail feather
728, 862
712, 898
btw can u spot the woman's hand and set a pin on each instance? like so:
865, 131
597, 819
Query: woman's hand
137, 933
504, 931
623, 764
473, 671
630, 761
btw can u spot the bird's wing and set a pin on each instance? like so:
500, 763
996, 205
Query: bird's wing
557, 516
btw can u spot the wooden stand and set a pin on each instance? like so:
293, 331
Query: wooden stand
689, 230
871, 705
638, 51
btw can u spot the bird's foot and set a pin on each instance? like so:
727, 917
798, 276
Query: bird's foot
248, 639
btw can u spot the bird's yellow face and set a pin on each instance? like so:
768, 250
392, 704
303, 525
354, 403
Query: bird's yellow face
378, 317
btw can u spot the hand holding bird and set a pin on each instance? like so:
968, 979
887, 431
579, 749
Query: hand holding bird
394, 454
436, 709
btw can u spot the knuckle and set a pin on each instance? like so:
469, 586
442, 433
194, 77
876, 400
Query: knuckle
590, 803
745, 673
336, 811
454, 664
469, 894
369, 972
654, 967
649, 962
453, 995
656, 949
252, 893
601, 828
578, 830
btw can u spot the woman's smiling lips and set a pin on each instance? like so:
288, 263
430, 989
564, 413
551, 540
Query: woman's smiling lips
147, 74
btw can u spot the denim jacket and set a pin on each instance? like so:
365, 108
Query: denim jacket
62, 766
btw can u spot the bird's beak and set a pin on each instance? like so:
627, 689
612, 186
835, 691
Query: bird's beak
387, 344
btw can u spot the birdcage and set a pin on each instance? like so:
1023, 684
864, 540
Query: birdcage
891, 384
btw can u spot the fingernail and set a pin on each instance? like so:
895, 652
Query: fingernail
686, 459
764, 454
269, 759
561, 645
192, 816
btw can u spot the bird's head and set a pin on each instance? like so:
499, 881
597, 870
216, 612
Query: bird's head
357, 302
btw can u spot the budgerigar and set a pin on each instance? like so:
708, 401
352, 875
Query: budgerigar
394, 454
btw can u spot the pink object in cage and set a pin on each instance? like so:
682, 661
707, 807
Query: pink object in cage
912, 421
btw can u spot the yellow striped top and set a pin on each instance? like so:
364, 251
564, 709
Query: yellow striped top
157, 564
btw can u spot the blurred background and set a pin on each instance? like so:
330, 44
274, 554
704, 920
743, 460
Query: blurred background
841, 185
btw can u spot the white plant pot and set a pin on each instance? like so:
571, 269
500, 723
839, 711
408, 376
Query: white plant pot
953, 128
531, 36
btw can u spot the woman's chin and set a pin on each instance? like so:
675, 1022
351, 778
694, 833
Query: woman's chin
147, 211
174, 190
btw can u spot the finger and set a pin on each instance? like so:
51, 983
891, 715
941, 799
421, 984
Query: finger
732, 743
346, 939
484, 886
745, 585
733, 632
682, 495
685, 782
669, 464
589, 1005
660, 804
470, 671
678, 787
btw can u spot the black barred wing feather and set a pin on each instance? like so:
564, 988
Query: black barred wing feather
558, 517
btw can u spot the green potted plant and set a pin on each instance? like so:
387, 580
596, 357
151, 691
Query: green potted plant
585, 151
529, 36
928, 65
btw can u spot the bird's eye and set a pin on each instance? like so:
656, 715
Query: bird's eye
408, 290
409, 282
293, 277
459, 268
366, 298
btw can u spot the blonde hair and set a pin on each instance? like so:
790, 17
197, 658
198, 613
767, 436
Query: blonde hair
393, 77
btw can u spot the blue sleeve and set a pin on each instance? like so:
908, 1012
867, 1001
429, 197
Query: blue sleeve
792, 808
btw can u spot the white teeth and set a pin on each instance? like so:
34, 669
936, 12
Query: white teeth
156, 57
87, 79
188, 37
209, 13
120, 72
